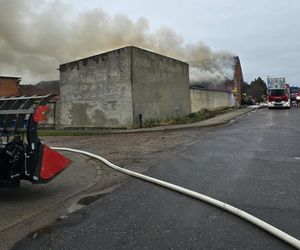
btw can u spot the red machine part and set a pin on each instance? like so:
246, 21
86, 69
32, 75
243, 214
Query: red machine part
52, 163
39, 114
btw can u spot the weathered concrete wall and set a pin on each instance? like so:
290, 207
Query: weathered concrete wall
112, 89
160, 86
210, 99
96, 91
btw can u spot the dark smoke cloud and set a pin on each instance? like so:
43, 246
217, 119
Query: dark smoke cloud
37, 35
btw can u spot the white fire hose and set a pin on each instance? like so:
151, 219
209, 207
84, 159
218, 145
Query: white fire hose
246, 216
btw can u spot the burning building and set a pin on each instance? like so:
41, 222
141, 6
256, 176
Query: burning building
238, 79
218, 91
120, 87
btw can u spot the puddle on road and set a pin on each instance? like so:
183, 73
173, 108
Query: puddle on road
82, 202
46, 230
85, 201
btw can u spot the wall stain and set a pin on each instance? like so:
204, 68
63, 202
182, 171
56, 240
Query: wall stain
79, 114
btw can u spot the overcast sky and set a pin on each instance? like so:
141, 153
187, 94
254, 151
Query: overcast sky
265, 34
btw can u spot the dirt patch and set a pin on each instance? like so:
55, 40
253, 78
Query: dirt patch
134, 151
129, 149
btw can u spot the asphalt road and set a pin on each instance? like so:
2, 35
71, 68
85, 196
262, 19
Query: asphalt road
32, 206
253, 164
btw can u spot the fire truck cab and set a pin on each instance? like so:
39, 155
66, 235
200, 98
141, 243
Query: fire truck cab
278, 94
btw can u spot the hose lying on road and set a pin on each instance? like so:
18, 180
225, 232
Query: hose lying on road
265, 226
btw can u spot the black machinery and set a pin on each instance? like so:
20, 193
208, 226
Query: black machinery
23, 155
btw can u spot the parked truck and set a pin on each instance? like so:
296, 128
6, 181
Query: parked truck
23, 155
278, 93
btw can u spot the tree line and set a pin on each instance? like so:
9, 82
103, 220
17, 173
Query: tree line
257, 90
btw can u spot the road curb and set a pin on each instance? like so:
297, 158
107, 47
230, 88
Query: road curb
205, 123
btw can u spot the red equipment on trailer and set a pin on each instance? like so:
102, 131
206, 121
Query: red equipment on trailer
24, 156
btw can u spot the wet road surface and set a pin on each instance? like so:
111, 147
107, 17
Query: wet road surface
253, 164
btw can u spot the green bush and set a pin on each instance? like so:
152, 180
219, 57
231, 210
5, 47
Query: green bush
190, 118
152, 122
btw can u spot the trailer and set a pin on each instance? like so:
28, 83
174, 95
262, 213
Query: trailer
23, 155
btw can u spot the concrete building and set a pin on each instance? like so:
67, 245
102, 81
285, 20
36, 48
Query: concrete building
113, 89
9, 86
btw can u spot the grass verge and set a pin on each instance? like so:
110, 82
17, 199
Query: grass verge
190, 118
148, 123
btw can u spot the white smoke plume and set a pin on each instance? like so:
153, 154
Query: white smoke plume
36, 36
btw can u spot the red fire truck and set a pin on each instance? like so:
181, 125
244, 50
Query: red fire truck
278, 94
